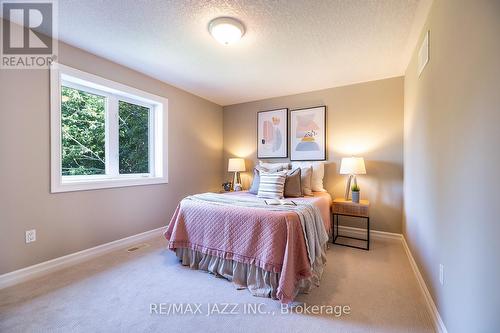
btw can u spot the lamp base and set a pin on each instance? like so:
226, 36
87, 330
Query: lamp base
236, 179
348, 186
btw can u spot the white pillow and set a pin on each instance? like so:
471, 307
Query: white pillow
273, 166
272, 185
318, 173
270, 170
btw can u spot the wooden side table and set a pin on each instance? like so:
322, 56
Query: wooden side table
342, 207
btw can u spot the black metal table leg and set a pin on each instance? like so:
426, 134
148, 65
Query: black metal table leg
368, 233
336, 232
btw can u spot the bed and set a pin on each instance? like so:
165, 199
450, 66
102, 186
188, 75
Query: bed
273, 251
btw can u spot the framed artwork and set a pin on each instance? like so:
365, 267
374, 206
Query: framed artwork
272, 133
308, 134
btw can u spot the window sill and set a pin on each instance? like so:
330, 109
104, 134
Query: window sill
65, 185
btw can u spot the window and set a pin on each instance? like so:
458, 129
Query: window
134, 133
104, 134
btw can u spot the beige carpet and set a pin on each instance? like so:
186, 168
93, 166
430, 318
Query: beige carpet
114, 293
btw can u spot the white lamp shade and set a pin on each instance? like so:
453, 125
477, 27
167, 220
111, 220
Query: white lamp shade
236, 164
352, 166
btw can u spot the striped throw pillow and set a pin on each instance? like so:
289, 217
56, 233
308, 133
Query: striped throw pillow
272, 185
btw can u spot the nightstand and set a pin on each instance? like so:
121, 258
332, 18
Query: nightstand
342, 207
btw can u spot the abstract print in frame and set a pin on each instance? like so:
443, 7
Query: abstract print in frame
308, 134
272, 134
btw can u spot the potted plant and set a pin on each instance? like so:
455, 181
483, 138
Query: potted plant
355, 193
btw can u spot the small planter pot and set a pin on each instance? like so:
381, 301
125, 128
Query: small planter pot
355, 196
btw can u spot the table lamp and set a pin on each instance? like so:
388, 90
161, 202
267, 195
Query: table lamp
236, 165
352, 166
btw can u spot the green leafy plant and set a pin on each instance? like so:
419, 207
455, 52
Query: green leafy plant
355, 188
83, 133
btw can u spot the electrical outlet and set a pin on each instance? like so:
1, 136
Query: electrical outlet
441, 274
30, 236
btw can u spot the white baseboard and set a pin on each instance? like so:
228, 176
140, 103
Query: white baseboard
436, 317
30, 272
374, 234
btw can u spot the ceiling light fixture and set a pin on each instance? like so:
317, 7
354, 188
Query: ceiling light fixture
226, 30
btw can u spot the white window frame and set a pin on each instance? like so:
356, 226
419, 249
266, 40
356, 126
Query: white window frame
113, 91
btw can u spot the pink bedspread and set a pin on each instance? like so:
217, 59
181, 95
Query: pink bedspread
271, 240
322, 200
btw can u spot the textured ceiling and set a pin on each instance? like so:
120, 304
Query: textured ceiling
289, 46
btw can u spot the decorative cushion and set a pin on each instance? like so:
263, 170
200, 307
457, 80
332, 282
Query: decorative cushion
272, 185
273, 169
255, 182
305, 179
318, 173
271, 166
293, 185
256, 177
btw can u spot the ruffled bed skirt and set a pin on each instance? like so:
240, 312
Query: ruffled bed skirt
245, 276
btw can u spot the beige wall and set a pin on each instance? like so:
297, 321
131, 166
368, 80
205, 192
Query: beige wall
452, 163
363, 119
69, 222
